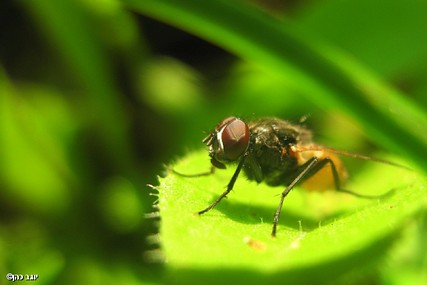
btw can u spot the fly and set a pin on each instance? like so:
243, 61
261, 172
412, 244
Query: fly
276, 152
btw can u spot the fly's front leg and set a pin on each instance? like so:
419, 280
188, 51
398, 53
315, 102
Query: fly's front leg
207, 173
229, 187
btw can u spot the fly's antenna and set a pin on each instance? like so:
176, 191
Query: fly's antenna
304, 118
350, 154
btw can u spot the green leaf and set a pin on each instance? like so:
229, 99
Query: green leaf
328, 77
321, 237
68, 27
33, 165
367, 29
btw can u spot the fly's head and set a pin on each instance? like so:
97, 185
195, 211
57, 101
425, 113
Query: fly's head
228, 142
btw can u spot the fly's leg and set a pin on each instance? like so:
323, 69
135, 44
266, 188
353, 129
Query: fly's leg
207, 173
230, 186
309, 166
337, 182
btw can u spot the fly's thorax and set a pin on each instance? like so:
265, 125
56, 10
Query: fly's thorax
273, 130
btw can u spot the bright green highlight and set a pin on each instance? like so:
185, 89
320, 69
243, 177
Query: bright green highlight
319, 234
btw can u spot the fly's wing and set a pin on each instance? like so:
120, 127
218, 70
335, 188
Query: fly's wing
252, 169
323, 178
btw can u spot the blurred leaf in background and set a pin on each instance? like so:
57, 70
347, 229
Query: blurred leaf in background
95, 96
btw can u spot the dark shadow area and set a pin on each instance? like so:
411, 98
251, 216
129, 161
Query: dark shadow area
255, 214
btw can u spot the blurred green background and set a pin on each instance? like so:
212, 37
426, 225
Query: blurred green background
95, 98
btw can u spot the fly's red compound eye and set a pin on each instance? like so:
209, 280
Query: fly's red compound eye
224, 123
233, 138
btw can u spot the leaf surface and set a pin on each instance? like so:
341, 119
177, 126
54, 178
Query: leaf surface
321, 236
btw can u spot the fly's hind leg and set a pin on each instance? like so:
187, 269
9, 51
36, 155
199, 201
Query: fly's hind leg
310, 168
337, 182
